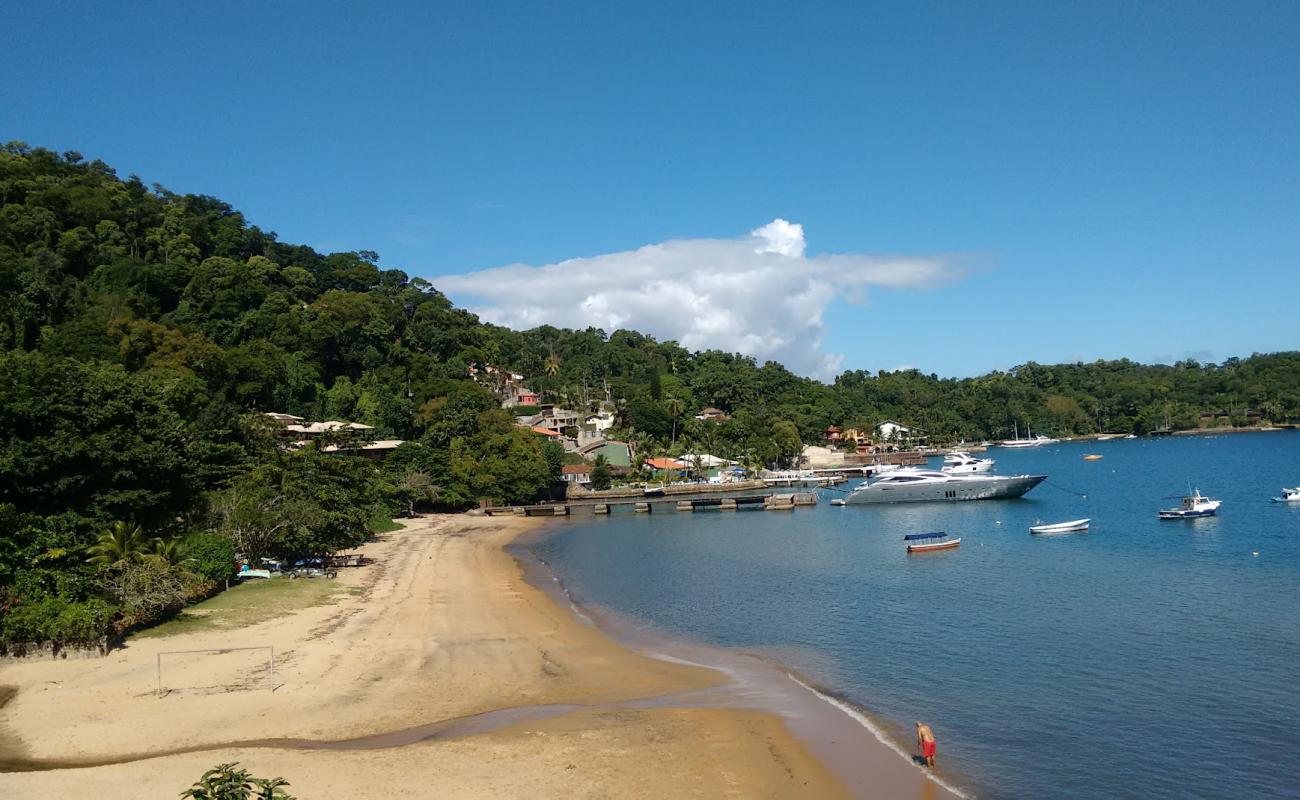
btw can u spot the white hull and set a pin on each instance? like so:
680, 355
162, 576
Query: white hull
1073, 526
903, 487
1196, 505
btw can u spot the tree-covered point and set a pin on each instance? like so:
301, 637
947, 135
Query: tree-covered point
140, 331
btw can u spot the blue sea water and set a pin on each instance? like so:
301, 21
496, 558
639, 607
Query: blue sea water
1144, 658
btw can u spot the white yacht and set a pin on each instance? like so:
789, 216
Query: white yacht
915, 485
1288, 496
965, 462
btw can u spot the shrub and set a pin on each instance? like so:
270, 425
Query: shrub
55, 619
84, 622
213, 554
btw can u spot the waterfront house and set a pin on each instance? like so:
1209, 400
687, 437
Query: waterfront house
666, 468
576, 473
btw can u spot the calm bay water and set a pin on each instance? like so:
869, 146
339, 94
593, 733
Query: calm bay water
1144, 658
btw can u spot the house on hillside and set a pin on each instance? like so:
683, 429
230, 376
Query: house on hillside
283, 420
712, 414
521, 397
376, 450
599, 422
334, 436
832, 436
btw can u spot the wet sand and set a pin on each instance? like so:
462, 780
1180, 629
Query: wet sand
444, 674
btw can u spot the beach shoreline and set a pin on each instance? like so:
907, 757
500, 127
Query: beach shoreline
499, 690
845, 737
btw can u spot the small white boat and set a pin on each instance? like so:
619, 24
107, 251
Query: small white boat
1073, 526
1288, 496
1192, 506
839, 501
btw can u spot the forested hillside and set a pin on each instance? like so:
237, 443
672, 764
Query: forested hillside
139, 328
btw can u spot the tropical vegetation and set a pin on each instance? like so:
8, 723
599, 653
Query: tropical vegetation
143, 332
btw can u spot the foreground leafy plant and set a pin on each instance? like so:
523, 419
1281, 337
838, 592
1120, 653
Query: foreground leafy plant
225, 782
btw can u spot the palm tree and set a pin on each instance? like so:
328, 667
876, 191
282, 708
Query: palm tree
168, 553
675, 407
552, 366
119, 545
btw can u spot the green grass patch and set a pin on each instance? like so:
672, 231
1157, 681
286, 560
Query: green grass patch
248, 604
382, 523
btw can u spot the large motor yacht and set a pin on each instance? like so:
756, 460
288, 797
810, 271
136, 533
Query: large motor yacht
917, 485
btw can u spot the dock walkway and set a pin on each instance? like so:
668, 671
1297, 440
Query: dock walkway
647, 505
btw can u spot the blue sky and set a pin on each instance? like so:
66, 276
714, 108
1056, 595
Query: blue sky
1105, 180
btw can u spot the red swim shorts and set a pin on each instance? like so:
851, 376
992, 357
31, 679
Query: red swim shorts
928, 747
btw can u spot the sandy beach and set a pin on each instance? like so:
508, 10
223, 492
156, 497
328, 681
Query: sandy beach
469, 681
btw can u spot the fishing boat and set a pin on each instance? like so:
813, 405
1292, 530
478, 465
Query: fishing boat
1093, 457
928, 542
965, 462
1192, 506
1288, 496
1073, 526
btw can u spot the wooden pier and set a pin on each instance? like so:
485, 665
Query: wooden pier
646, 505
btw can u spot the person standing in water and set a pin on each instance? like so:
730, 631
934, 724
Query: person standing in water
925, 741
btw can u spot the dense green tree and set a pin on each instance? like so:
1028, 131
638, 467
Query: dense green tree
600, 474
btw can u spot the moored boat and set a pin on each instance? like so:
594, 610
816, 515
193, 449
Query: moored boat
965, 462
1093, 457
1192, 506
1073, 526
928, 542
1288, 496
1031, 441
910, 485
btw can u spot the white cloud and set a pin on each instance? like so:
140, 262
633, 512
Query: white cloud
758, 294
